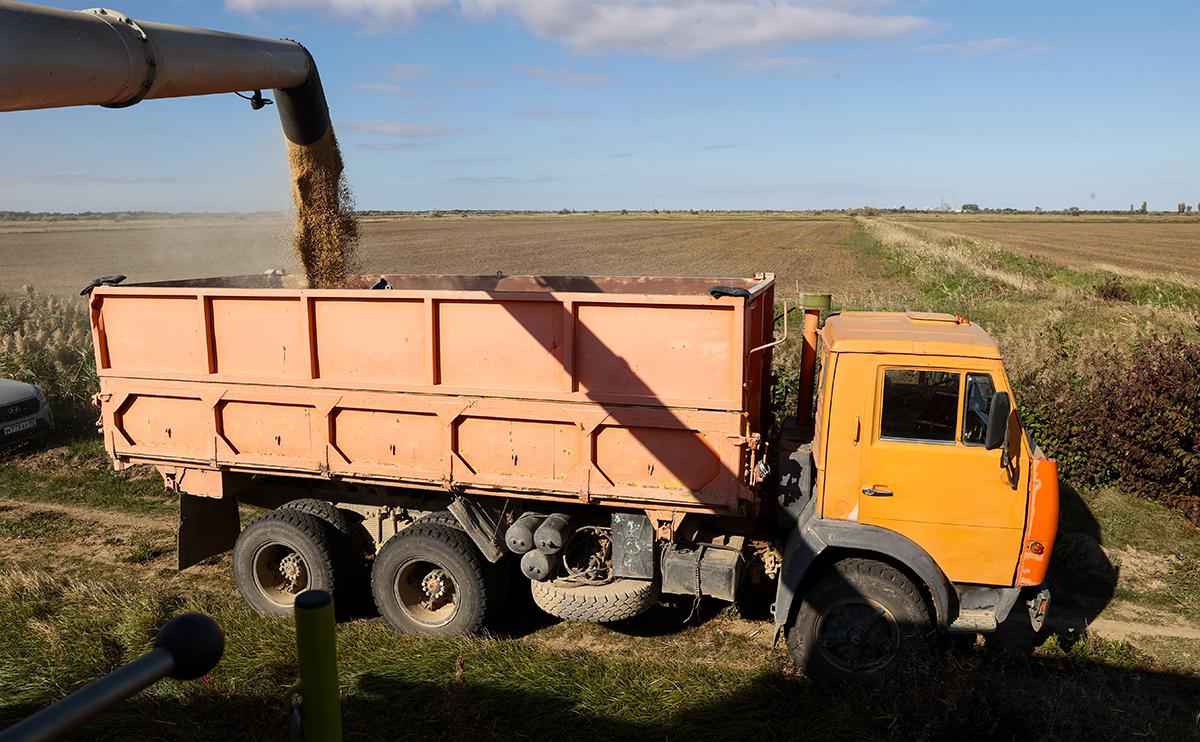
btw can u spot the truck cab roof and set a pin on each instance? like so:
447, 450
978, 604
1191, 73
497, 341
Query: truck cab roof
916, 333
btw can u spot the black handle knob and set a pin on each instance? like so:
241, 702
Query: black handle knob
196, 643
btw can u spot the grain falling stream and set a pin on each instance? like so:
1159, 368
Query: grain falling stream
326, 234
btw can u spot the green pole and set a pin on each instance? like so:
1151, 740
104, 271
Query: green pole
316, 645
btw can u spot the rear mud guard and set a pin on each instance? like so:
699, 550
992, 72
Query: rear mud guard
208, 526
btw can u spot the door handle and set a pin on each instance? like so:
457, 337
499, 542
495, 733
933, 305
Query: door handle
874, 492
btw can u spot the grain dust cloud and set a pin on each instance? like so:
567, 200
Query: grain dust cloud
326, 228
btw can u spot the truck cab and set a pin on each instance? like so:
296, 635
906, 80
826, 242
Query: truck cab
920, 465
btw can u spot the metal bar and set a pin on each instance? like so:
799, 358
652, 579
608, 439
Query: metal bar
316, 646
187, 647
51, 58
54, 721
782, 338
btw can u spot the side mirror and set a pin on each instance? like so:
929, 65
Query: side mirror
997, 426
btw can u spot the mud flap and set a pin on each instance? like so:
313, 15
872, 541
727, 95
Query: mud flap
1039, 605
208, 526
484, 524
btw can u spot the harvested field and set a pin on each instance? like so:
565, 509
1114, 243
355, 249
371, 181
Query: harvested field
1165, 248
61, 257
793, 249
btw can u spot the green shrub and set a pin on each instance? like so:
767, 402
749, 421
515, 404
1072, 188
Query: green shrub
1113, 290
1127, 416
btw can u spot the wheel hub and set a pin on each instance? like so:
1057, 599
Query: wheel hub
434, 587
290, 568
857, 634
426, 592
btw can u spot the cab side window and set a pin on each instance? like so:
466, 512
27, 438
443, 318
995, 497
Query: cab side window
919, 405
978, 402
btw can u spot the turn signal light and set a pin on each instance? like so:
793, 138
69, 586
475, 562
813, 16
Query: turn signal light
1037, 548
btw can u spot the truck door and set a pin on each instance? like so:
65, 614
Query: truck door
924, 472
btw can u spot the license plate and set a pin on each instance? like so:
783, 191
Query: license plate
19, 427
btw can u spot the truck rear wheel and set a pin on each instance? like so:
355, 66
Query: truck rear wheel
859, 623
326, 511
430, 579
279, 556
616, 601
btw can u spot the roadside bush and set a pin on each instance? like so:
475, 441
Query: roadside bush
46, 340
1126, 416
1113, 290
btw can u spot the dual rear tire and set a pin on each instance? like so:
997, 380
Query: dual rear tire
428, 579
282, 554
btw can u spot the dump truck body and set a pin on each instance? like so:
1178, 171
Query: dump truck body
607, 433
640, 392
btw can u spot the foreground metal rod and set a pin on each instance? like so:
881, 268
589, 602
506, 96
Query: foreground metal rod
316, 645
186, 648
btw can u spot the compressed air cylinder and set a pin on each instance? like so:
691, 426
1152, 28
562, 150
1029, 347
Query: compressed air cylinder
552, 534
519, 536
536, 566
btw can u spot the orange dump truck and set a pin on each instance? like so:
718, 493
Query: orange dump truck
610, 440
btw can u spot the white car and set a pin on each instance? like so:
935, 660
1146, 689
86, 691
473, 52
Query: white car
24, 412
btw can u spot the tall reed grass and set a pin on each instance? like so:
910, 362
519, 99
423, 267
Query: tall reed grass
45, 340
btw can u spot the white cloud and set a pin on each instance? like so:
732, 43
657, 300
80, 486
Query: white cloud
386, 88
982, 46
399, 129
661, 27
772, 63
558, 74
402, 72
389, 146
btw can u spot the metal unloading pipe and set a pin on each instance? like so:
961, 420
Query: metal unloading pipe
51, 58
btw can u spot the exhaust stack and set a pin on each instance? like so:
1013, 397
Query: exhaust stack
813, 305
51, 58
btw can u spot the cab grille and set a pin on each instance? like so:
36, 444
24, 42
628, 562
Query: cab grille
19, 410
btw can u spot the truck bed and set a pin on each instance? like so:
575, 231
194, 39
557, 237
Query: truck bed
638, 390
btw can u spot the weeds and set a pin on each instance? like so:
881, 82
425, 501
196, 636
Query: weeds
46, 340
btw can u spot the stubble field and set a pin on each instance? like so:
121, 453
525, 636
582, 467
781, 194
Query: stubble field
1163, 246
87, 553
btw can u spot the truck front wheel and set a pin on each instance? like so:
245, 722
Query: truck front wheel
279, 556
430, 579
859, 622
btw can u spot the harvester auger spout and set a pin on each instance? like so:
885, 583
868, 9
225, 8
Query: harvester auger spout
51, 58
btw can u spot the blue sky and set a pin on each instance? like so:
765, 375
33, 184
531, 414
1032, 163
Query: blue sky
638, 104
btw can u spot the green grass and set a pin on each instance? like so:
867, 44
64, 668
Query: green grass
61, 633
78, 473
44, 524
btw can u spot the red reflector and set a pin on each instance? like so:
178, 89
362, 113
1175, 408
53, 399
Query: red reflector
1037, 548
